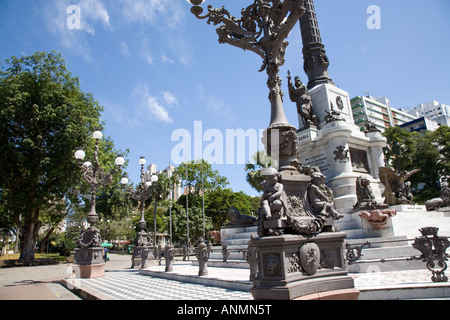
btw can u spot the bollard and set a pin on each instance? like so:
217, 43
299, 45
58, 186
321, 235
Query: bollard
169, 255
203, 252
144, 255
252, 260
225, 252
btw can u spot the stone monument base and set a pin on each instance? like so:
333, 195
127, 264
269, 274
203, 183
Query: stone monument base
346, 294
136, 259
89, 263
295, 266
89, 270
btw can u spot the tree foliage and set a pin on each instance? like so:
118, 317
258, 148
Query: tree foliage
400, 147
253, 169
44, 117
427, 150
199, 177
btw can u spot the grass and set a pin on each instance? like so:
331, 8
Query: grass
15, 256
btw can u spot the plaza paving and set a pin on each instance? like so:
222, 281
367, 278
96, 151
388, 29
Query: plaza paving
122, 283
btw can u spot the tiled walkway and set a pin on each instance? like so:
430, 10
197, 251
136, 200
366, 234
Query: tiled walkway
130, 285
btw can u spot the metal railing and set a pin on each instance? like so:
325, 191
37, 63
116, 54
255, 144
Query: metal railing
432, 247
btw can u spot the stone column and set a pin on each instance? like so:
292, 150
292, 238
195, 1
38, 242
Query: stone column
377, 143
315, 59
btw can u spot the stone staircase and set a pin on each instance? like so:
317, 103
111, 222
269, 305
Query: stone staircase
386, 252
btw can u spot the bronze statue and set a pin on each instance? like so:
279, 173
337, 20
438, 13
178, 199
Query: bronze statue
298, 93
321, 197
272, 203
442, 202
394, 185
364, 191
239, 219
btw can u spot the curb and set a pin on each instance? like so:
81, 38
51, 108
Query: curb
81, 291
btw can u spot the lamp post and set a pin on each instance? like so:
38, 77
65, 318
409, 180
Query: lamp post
142, 192
88, 256
263, 29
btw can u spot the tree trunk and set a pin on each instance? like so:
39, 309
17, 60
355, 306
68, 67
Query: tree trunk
27, 247
29, 237
45, 240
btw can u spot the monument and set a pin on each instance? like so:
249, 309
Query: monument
375, 201
294, 257
334, 143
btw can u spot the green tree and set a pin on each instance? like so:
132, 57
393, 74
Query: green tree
179, 225
218, 202
427, 150
433, 159
50, 217
401, 145
441, 138
200, 177
253, 169
44, 117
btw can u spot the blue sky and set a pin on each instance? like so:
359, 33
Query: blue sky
157, 69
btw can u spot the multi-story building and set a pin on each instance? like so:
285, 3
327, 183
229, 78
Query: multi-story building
379, 112
176, 188
433, 110
420, 124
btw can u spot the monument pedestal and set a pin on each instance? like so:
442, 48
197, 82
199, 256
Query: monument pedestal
339, 148
295, 266
89, 263
136, 259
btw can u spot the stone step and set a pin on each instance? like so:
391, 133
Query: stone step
381, 257
236, 242
235, 254
376, 266
377, 242
246, 236
354, 234
240, 264
347, 225
389, 252
217, 255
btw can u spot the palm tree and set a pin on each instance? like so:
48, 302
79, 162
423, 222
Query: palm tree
401, 145
253, 168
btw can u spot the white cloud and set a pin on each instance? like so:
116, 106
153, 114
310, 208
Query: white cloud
150, 106
364, 49
91, 12
166, 13
146, 56
124, 49
170, 99
166, 59
145, 52
213, 105
157, 110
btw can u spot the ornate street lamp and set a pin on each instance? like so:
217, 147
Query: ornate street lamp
263, 29
142, 192
89, 254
